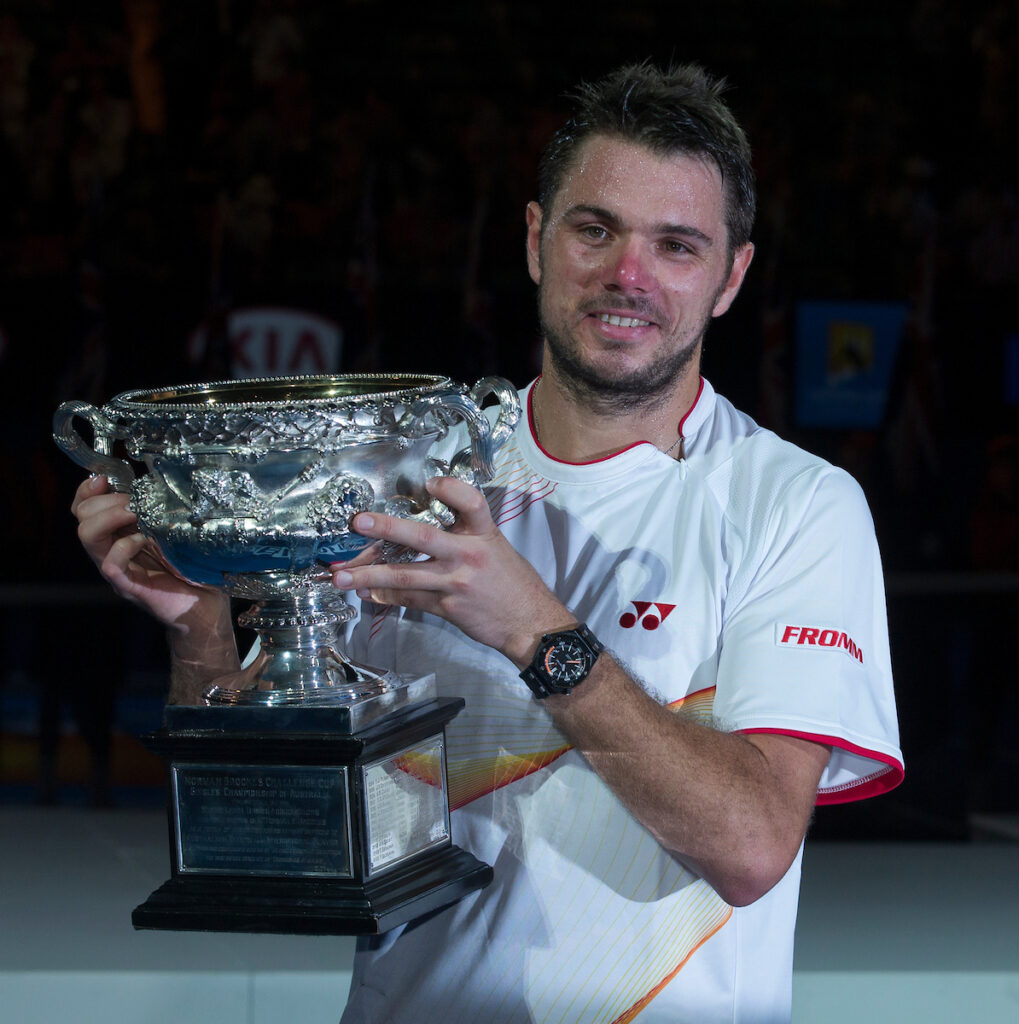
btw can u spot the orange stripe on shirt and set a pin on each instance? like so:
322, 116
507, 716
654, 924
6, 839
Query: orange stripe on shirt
642, 1003
471, 780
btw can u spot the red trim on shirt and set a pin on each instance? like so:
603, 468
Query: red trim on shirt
881, 781
700, 391
604, 458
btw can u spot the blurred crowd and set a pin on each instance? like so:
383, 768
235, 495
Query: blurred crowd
164, 163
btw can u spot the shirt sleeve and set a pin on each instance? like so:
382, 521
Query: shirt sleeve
804, 647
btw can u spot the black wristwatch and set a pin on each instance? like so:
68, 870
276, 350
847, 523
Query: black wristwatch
562, 661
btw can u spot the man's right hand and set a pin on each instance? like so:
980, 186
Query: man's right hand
198, 618
129, 562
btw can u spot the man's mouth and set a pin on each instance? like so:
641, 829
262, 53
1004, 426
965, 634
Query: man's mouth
622, 321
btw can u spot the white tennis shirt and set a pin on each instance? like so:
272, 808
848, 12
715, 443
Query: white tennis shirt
742, 585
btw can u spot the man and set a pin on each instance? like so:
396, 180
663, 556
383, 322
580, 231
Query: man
643, 805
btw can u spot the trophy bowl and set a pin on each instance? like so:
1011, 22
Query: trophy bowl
250, 486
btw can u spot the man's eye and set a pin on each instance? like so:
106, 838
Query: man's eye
594, 231
672, 245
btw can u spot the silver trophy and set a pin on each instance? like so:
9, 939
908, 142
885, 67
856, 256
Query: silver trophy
250, 486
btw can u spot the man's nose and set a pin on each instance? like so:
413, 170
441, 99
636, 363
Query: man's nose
629, 268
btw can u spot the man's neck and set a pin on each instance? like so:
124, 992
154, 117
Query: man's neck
575, 428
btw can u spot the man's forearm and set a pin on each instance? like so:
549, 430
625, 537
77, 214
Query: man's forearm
733, 808
200, 655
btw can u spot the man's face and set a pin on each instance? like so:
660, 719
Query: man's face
631, 264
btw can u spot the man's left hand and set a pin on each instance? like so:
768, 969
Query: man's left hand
472, 576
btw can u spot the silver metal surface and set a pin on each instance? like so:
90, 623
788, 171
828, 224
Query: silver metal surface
250, 486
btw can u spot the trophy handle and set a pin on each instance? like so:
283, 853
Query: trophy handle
474, 464
95, 457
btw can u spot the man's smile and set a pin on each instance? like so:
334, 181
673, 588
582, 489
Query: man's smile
622, 321
622, 318
622, 325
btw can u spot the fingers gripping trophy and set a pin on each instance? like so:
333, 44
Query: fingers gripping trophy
250, 487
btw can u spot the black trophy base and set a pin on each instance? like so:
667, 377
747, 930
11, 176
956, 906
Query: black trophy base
308, 907
295, 821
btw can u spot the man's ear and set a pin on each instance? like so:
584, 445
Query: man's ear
740, 263
534, 241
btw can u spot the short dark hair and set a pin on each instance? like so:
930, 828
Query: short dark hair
678, 111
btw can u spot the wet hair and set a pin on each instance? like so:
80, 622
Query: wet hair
678, 111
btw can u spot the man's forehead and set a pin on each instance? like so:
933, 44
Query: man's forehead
608, 167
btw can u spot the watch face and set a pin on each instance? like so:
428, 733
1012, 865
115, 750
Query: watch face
566, 661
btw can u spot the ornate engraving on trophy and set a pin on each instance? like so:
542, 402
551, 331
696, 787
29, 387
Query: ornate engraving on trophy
331, 510
147, 501
225, 494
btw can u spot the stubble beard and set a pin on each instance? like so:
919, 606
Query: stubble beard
643, 387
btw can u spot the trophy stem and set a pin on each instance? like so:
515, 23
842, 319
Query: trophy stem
301, 663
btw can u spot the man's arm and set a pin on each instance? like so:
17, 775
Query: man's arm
199, 627
203, 651
734, 808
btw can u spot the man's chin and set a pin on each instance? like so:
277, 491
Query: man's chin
618, 380
617, 384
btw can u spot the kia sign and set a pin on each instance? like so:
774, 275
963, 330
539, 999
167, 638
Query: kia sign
271, 341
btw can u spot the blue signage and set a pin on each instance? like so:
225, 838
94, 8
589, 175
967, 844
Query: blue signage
845, 354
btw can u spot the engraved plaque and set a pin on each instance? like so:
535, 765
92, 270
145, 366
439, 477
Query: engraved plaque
262, 820
406, 805
308, 820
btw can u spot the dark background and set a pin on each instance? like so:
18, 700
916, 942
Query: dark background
162, 163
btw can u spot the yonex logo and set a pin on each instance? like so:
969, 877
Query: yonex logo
647, 618
817, 636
